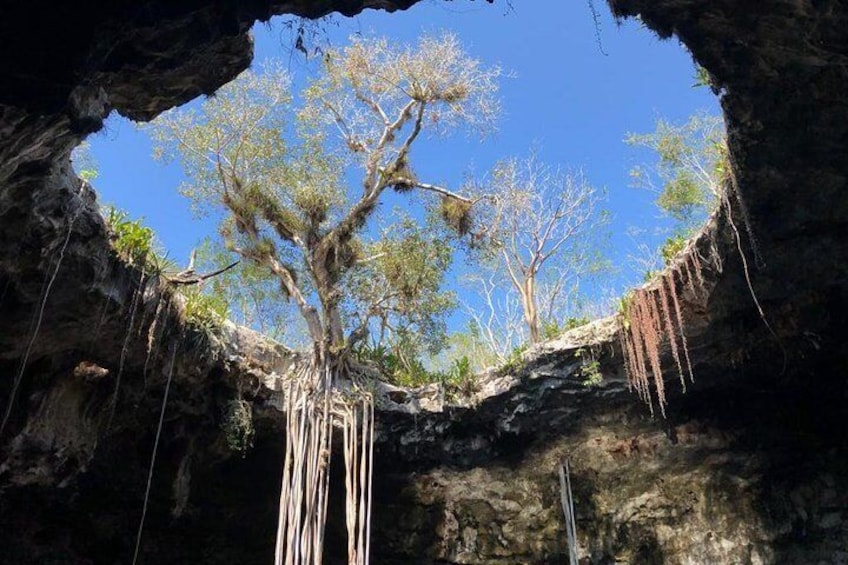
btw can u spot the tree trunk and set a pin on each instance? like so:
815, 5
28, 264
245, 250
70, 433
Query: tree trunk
531, 313
333, 324
325, 286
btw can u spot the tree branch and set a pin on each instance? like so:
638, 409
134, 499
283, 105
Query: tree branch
437, 189
373, 105
186, 279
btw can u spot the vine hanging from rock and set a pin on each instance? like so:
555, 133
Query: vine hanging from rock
651, 319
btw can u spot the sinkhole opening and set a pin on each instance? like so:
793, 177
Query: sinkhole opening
434, 191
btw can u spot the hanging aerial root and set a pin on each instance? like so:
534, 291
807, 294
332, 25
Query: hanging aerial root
314, 405
162, 307
678, 315
39, 317
567, 502
153, 456
639, 378
101, 318
671, 334
652, 319
303, 495
686, 276
747, 272
357, 421
652, 339
137, 296
695, 259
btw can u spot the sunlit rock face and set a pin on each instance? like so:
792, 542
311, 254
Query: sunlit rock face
749, 466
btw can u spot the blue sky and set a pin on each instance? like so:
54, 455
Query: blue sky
569, 99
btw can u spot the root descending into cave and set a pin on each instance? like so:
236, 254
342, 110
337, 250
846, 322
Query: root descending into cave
39, 315
306, 467
153, 455
651, 319
314, 406
136, 301
357, 422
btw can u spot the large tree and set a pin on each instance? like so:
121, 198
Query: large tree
289, 208
281, 191
540, 238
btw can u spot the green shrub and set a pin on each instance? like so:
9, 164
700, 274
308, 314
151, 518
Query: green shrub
130, 238
649, 275
623, 310
399, 370
238, 426
204, 310
590, 368
672, 247
394, 367
575, 322
515, 359
550, 329
460, 380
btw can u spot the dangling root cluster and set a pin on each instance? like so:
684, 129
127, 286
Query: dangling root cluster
314, 406
357, 422
652, 319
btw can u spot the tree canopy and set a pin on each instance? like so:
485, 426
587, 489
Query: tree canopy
283, 185
541, 231
689, 173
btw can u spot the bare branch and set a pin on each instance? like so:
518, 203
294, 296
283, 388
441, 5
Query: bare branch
376, 108
419, 118
436, 189
186, 279
533, 215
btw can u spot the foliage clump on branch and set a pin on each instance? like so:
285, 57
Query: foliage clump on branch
690, 174
457, 214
